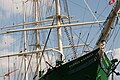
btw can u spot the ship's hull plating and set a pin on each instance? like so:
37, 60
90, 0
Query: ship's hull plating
87, 67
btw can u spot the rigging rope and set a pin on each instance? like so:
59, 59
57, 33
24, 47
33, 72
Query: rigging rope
77, 4
116, 34
91, 10
85, 43
102, 11
27, 67
97, 6
78, 41
43, 51
20, 69
67, 33
70, 41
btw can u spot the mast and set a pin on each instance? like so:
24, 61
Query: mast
24, 26
25, 45
35, 2
8, 68
59, 29
36, 20
108, 23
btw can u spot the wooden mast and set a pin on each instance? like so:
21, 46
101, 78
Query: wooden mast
108, 23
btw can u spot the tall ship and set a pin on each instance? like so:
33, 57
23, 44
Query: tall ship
59, 39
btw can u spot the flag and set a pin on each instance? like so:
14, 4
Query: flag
111, 2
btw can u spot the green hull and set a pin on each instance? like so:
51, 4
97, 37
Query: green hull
87, 67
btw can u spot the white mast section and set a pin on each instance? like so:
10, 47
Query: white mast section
25, 45
24, 26
35, 2
36, 20
59, 30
